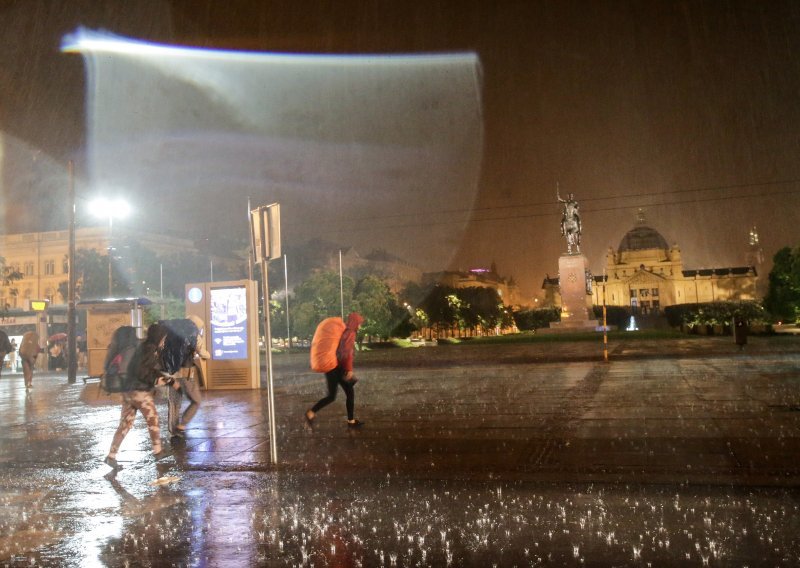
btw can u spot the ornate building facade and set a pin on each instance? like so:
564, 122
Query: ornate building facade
647, 274
41, 259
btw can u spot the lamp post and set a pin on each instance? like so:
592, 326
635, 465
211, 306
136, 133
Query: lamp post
108, 209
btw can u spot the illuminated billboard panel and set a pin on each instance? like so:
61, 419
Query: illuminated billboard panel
228, 323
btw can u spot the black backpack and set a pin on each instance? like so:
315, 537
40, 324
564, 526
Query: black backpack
5, 344
115, 379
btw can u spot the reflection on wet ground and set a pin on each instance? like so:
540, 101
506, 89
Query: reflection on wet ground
681, 460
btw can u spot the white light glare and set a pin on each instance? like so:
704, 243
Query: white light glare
107, 208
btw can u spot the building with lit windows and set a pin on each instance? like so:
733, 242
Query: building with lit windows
42, 259
647, 274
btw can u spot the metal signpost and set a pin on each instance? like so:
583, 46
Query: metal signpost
265, 226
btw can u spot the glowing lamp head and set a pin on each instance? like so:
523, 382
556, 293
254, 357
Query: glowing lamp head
108, 208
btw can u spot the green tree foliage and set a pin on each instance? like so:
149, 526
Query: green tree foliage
440, 306
91, 273
318, 298
783, 295
377, 305
481, 307
714, 313
9, 275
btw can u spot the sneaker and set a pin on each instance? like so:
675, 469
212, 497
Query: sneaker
355, 424
112, 462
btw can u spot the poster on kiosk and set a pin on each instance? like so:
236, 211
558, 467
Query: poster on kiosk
230, 313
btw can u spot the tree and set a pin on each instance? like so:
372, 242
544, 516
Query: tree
9, 275
375, 302
91, 275
318, 298
783, 295
483, 307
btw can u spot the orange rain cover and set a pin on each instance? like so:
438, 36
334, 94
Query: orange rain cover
323, 346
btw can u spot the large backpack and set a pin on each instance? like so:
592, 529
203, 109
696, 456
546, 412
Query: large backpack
115, 379
5, 344
325, 343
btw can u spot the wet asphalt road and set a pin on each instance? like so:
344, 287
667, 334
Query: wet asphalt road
679, 453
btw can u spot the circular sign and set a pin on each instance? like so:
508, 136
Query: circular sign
195, 295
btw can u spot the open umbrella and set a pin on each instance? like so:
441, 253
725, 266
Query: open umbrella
57, 337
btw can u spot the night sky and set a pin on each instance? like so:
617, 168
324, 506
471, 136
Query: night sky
686, 109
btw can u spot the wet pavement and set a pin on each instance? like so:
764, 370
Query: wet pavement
675, 453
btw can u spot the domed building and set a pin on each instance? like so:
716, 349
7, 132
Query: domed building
647, 274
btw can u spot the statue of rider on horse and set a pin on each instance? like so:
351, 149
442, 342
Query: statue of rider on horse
570, 222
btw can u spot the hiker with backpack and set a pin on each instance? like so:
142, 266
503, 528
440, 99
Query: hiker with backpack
332, 351
118, 357
190, 348
144, 373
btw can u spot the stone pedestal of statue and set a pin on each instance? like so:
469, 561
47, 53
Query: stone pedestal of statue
576, 300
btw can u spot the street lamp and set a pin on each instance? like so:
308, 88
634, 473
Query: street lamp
108, 209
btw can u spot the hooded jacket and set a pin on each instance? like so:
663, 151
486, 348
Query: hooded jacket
200, 347
347, 343
29, 347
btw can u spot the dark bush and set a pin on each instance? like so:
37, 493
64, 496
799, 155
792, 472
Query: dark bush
528, 320
714, 313
617, 316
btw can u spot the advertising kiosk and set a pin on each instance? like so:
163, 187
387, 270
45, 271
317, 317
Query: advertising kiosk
230, 313
103, 317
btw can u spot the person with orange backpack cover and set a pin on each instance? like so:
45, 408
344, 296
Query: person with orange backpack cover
332, 351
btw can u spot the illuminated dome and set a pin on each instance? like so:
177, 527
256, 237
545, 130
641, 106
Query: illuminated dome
642, 237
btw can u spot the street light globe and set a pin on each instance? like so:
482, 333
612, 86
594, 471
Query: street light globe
108, 208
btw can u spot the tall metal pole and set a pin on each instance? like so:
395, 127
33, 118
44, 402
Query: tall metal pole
273, 438
341, 283
252, 252
286, 291
605, 321
110, 254
161, 287
72, 360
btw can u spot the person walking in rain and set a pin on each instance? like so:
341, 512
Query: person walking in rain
29, 350
342, 375
5, 348
12, 357
188, 382
144, 374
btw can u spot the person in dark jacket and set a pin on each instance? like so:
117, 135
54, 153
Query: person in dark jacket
144, 374
342, 375
5, 349
189, 377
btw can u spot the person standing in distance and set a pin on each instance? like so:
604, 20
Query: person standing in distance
342, 375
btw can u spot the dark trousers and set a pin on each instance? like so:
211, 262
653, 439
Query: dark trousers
335, 379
